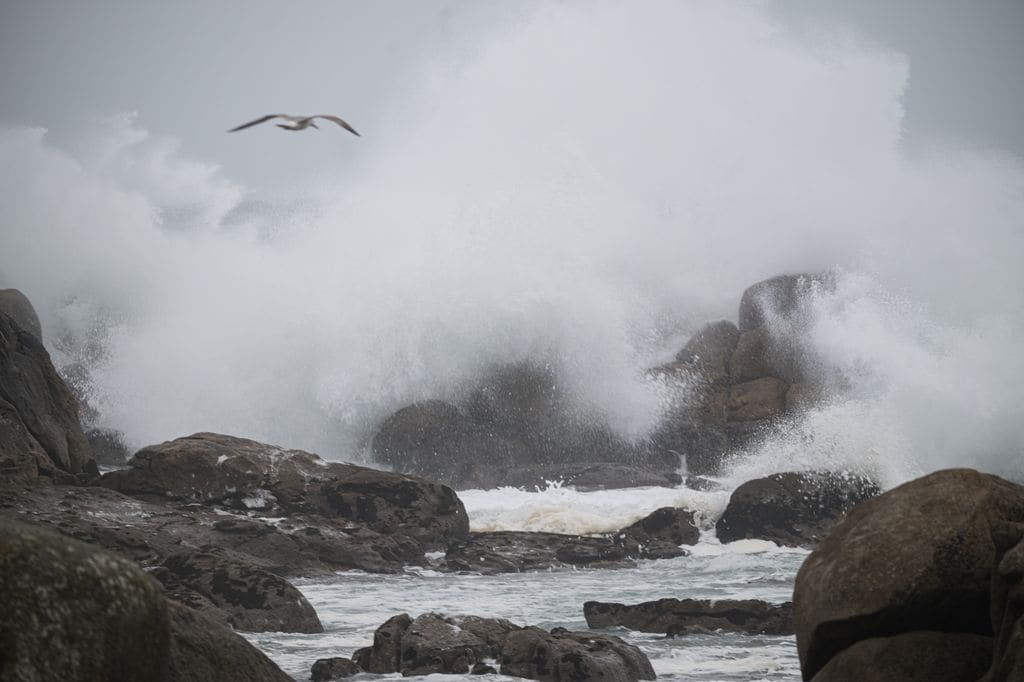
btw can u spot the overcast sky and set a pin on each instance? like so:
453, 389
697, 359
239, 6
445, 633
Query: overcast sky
193, 68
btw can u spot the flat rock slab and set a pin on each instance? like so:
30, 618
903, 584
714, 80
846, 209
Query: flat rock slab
677, 617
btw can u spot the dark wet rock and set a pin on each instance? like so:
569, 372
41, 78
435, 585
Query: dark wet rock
709, 351
670, 525
922, 656
252, 599
517, 551
74, 612
39, 430
385, 655
795, 509
679, 617
204, 649
435, 644
20, 309
560, 656
519, 428
337, 668
925, 556
243, 475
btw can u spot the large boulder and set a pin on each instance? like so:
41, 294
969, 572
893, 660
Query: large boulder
564, 656
784, 297
39, 430
244, 475
794, 509
74, 612
519, 427
204, 649
677, 617
17, 305
922, 656
709, 352
926, 556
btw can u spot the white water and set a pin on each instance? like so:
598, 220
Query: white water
355, 604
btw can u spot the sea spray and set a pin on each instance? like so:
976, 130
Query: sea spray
580, 185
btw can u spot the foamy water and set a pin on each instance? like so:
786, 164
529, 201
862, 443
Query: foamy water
353, 605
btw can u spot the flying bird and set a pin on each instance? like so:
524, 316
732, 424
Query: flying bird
297, 122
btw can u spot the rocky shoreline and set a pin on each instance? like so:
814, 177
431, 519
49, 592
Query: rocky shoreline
198, 537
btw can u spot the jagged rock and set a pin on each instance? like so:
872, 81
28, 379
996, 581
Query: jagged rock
204, 649
244, 475
252, 599
39, 430
21, 310
793, 509
923, 656
434, 644
74, 612
686, 616
325, 669
560, 656
925, 556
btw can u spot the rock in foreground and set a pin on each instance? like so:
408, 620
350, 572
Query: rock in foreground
926, 569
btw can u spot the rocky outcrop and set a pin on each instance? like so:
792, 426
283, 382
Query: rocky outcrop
434, 643
72, 612
204, 649
667, 526
39, 430
738, 382
20, 309
518, 428
243, 475
795, 509
677, 617
907, 571
563, 656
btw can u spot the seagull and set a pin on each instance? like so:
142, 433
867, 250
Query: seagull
297, 122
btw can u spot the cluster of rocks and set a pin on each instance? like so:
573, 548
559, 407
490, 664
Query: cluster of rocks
434, 643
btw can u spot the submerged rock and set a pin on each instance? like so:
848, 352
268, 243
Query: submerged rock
795, 509
687, 616
936, 555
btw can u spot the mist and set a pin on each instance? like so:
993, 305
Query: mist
576, 184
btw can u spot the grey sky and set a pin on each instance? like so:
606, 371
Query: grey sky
193, 68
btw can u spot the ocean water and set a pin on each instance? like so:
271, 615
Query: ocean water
354, 604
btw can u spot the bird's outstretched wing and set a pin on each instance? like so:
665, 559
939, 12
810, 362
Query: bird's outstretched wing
340, 122
261, 119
